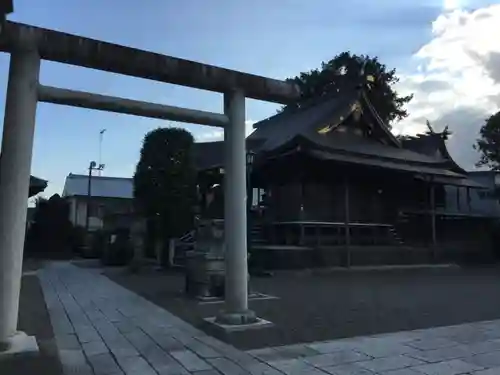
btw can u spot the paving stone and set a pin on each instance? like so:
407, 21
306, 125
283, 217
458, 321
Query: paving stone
120, 347
72, 358
125, 326
390, 363
227, 367
217, 345
441, 354
380, 348
490, 371
135, 366
168, 344
104, 364
80, 369
484, 347
334, 346
79, 319
175, 369
266, 354
67, 341
106, 329
94, 348
202, 349
159, 358
140, 340
113, 315
403, 371
61, 325
262, 369
294, 351
395, 337
241, 358
336, 358
487, 360
431, 343
453, 367
296, 367
349, 369
87, 334
190, 360
469, 337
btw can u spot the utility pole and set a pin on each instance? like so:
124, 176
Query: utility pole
101, 137
89, 196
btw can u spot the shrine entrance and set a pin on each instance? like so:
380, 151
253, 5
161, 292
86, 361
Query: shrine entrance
28, 46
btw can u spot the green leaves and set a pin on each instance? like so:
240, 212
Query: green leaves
343, 72
165, 180
488, 143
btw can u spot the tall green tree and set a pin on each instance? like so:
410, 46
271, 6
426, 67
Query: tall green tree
343, 71
488, 143
165, 182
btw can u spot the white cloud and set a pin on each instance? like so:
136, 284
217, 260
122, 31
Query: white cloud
456, 78
218, 134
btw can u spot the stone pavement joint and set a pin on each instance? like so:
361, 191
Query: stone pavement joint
100, 329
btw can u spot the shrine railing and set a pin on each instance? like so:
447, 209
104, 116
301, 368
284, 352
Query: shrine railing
323, 233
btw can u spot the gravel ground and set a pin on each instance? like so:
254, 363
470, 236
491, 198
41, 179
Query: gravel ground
35, 321
314, 307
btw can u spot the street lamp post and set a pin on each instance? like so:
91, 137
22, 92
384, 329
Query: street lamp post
93, 166
250, 156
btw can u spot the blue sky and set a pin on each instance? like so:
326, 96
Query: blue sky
271, 38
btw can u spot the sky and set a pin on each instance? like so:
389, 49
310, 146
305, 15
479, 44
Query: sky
446, 52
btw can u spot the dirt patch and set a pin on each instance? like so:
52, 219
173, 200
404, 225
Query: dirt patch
315, 307
35, 321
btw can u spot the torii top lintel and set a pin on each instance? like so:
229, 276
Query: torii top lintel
90, 53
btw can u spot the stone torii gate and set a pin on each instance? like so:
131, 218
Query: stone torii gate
28, 45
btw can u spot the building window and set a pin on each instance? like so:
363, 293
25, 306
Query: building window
487, 194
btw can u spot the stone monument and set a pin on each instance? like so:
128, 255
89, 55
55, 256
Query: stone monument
137, 237
205, 264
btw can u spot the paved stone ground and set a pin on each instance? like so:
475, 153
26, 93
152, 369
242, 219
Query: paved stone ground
102, 328
472, 348
325, 305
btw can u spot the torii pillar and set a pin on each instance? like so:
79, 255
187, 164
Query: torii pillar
15, 165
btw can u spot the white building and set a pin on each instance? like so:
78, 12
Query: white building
108, 195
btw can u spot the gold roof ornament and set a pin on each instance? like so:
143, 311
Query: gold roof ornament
329, 128
325, 129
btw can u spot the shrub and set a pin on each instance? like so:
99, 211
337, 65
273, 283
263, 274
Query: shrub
77, 239
118, 253
98, 240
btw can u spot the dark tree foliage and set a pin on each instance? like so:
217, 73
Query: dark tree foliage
488, 143
51, 230
165, 181
343, 72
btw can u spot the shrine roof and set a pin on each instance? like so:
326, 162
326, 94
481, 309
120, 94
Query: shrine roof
305, 122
